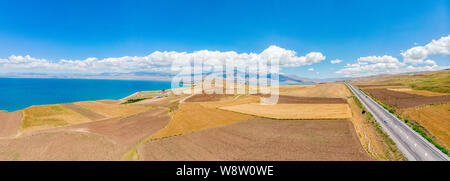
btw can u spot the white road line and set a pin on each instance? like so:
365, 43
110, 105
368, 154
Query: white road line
426, 154
415, 144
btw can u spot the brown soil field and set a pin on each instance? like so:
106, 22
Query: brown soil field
57, 146
129, 131
83, 111
373, 142
329, 90
100, 140
404, 100
386, 87
10, 123
294, 111
262, 139
435, 119
112, 110
419, 92
231, 101
379, 85
193, 117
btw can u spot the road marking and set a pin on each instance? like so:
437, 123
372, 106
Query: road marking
407, 137
426, 154
415, 144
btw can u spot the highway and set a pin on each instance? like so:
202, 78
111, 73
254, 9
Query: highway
413, 146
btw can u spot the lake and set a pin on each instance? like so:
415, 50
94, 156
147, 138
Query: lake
19, 93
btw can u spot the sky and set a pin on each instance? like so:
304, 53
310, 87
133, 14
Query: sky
314, 39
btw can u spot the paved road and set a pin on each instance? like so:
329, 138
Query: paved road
410, 143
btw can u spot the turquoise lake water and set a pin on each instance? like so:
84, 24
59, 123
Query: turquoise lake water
19, 93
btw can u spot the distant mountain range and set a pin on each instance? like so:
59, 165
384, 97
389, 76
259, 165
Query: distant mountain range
283, 78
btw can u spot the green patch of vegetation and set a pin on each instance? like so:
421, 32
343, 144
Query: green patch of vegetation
438, 81
129, 101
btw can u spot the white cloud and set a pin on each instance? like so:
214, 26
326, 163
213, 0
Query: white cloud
378, 59
336, 61
311, 69
156, 61
413, 60
418, 54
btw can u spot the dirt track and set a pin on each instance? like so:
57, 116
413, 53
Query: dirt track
10, 123
404, 100
262, 139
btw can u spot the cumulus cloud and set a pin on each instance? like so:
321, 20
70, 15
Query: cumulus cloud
373, 65
156, 61
336, 61
418, 54
311, 69
414, 60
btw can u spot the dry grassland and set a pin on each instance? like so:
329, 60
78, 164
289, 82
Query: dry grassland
435, 119
294, 111
48, 116
193, 117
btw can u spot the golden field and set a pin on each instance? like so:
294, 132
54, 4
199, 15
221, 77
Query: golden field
329, 90
294, 111
435, 119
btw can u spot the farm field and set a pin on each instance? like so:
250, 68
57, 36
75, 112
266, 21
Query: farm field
10, 123
319, 125
329, 90
419, 92
193, 117
404, 100
112, 110
262, 139
100, 140
435, 119
48, 116
293, 111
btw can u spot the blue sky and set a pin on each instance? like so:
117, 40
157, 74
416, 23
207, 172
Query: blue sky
344, 30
